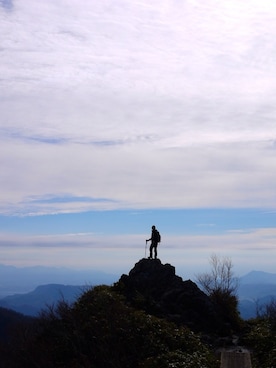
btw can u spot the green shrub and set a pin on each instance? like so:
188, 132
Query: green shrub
261, 339
100, 330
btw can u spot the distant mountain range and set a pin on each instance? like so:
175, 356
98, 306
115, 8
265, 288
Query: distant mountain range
258, 277
256, 289
44, 296
35, 288
15, 280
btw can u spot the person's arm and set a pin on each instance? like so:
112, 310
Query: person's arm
150, 238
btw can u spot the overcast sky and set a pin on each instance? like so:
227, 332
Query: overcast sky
136, 110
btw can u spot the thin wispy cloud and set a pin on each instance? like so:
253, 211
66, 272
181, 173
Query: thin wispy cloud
6, 4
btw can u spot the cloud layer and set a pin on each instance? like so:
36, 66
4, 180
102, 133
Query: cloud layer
189, 253
134, 105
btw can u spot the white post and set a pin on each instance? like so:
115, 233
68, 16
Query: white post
239, 358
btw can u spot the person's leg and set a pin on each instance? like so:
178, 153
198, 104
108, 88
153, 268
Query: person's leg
150, 256
155, 252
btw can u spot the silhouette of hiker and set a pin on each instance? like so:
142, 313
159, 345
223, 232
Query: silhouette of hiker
155, 238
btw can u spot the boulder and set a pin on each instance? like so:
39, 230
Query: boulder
155, 288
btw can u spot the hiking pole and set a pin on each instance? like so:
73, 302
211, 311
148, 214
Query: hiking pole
146, 250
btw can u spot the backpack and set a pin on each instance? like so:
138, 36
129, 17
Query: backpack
158, 236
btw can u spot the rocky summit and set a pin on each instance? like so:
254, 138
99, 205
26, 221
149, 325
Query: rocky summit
155, 288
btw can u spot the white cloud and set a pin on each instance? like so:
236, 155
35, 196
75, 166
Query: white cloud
141, 176
147, 105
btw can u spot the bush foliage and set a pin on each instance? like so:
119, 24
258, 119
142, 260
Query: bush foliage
261, 338
101, 331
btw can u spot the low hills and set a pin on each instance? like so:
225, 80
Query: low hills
32, 303
149, 318
256, 289
127, 325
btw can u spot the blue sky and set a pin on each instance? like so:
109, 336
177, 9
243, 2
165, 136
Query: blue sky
119, 115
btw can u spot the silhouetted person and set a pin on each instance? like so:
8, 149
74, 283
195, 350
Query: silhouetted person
155, 239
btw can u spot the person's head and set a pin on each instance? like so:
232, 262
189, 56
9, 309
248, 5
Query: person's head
153, 227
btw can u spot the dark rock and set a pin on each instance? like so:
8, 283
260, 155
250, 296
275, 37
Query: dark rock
154, 287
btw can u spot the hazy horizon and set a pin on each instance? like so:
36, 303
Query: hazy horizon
21, 280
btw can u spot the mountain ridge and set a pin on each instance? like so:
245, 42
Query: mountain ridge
31, 302
258, 277
15, 280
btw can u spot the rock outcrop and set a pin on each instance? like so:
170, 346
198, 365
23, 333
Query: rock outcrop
154, 287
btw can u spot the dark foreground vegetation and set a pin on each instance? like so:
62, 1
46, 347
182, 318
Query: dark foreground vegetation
133, 324
100, 330
260, 336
